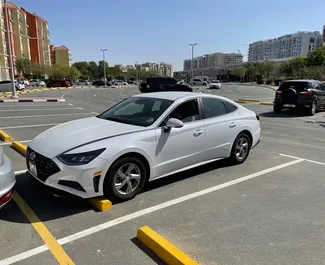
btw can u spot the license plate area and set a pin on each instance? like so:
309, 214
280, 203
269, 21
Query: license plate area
289, 105
32, 169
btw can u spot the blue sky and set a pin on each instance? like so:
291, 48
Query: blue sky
159, 31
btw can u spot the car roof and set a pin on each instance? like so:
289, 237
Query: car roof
302, 80
174, 95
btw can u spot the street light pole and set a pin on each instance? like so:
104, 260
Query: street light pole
14, 95
136, 72
192, 45
104, 50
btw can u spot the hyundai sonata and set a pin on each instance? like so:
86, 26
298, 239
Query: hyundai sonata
7, 179
142, 138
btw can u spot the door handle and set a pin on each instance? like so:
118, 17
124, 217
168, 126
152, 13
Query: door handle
233, 124
198, 132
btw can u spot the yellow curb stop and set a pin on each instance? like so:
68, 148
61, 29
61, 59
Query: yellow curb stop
101, 203
249, 100
19, 147
267, 103
162, 248
4, 136
240, 101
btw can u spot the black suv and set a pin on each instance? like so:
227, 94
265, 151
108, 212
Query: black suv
308, 94
157, 84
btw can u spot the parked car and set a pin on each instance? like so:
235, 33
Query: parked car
59, 83
7, 179
37, 83
157, 84
142, 138
6, 86
198, 82
300, 94
119, 83
99, 83
215, 84
83, 83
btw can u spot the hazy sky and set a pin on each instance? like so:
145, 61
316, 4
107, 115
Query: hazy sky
159, 31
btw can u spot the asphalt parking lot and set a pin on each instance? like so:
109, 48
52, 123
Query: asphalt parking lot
269, 210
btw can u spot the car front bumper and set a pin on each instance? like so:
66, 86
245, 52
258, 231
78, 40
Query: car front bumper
7, 181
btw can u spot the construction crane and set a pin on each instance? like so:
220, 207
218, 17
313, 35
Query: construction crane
239, 51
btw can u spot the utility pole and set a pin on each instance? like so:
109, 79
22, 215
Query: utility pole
192, 45
136, 72
14, 95
104, 50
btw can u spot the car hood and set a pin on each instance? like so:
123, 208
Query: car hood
67, 136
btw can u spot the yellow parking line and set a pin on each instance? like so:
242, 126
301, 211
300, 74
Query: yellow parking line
240, 101
162, 248
56, 249
267, 103
249, 100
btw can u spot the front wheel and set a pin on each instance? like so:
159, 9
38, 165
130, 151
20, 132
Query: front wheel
240, 149
125, 179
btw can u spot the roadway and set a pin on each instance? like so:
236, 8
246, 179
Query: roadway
268, 210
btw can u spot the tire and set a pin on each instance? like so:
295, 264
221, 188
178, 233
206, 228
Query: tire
234, 157
111, 192
193, 84
204, 84
312, 109
277, 108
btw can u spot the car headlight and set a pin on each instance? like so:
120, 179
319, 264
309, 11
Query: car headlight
80, 158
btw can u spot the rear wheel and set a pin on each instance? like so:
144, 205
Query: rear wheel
125, 179
277, 108
312, 109
240, 149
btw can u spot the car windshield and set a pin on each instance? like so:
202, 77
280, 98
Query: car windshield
140, 111
298, 86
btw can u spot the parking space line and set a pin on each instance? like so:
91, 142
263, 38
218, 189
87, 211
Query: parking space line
305, 159
123, 219
30, 126
46, 115
162, 247
6, 110
53, 245
10, 143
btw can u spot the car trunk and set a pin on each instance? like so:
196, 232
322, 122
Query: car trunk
291, 91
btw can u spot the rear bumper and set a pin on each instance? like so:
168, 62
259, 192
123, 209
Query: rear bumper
297, 103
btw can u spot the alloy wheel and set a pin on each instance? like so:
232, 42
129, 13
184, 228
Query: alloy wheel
127, 179
242, 148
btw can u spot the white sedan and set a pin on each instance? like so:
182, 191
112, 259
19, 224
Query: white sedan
7, 179
142, 138
215, 84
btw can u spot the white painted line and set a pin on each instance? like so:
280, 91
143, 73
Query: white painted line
30, 126
305, 159
123, 219
46, 115
33, 104
5, 110
9, 143
113, 102
19, 172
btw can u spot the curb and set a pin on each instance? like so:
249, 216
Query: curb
162, 248
266, 103
101, 203
31, 100
4, 136
19, 147
248, 100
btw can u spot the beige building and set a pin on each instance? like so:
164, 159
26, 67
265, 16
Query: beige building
213, 60
161, 69
4, 66
61, 55
44, 41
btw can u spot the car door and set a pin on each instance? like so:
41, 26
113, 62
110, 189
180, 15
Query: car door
221, 126
322, 94
179, 148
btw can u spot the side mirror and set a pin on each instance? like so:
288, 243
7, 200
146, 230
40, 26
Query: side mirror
173, 123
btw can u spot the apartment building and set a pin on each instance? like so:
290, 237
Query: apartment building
284, 47
324, 35
4, 64
213, 60
161, 69
60, 55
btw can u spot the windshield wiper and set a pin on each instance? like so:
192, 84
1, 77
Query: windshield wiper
118, 120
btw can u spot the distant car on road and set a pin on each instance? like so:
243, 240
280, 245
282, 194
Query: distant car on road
83, 83
6, 86
119, 83
59, 83
215, 84
199, 82
303, 94
158, 84
7, 179
142, 138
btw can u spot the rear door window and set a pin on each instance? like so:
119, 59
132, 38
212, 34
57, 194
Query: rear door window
298, 86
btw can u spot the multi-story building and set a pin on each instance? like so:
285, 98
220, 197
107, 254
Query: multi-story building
284, 47
324, 35
60, 55
4, 64
213, 60
161, 69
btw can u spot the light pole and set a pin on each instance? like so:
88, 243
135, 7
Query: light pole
104, 50
14, 95
136, 72
192, 45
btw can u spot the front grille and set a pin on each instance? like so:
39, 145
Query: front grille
45, 167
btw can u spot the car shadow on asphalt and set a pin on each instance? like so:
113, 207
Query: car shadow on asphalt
147, 251
284, 114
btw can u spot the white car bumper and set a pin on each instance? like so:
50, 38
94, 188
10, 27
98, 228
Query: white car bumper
84, 181
7, 181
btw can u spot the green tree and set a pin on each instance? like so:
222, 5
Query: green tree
285, 70
83, 68
72, 73
316, 57
23, 66
240, 71
252, 71
93, 70
266, 69
58, 71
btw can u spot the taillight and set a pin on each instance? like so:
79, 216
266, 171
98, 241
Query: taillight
6, 197
278, 92
258, 117
307, 93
